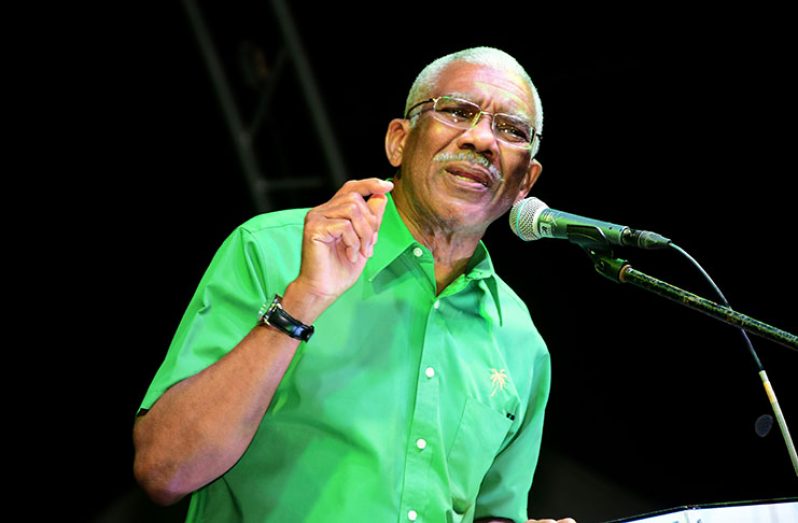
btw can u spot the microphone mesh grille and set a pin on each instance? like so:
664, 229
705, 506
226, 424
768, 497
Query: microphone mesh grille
522, 218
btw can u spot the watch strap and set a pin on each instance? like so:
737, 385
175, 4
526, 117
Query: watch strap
273, 314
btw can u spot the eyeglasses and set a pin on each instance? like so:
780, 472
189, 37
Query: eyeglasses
464, 114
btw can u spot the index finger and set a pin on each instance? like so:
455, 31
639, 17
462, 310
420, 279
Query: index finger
366, 186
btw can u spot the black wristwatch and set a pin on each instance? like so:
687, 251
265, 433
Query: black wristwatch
273, 314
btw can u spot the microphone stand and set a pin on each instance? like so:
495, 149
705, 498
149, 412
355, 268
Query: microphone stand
593, 241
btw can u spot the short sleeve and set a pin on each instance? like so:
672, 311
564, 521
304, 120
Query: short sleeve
222, 311
505, 489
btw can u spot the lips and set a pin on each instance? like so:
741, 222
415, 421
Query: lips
472, 172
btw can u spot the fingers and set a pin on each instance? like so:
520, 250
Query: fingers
365, 216
350, 217
374, 190
350, 207
366, 187
334, 230
377, 204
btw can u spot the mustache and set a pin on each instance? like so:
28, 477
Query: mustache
470, 157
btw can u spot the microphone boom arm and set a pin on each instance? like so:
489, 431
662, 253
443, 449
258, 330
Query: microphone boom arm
640, 279
592, 240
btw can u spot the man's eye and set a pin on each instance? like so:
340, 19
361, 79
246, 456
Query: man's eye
459, 113
514, 132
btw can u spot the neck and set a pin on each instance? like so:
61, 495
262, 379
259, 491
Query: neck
451, 247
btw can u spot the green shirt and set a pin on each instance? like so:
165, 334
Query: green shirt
403, 406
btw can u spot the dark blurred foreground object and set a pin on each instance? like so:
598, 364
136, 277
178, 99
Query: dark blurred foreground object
761, 511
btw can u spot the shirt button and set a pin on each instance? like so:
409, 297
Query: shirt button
412, 515
417, 252
421, 443
437, 304
430, 372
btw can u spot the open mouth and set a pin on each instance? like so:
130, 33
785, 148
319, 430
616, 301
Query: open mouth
470, 175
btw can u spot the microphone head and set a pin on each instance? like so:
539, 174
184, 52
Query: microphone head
523, 218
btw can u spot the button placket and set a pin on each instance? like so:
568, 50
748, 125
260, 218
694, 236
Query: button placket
424, 429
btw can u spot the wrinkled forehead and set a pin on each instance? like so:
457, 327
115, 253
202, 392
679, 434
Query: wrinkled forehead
502, 90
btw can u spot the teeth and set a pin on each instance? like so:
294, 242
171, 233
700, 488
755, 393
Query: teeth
466, 178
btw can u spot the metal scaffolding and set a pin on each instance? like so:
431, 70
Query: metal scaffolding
267, 186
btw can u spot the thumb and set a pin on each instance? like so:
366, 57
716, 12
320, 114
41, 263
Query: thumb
377, 203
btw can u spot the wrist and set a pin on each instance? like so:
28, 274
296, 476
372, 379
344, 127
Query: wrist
302, 303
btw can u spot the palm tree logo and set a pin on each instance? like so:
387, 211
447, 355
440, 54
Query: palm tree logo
498, 379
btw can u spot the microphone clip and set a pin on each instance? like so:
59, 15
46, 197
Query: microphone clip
593, 241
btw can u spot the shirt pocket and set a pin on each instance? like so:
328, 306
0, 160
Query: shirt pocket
480, 435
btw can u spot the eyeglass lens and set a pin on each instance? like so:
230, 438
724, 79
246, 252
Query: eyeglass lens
463, 114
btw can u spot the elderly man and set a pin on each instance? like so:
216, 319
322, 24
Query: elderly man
361, 360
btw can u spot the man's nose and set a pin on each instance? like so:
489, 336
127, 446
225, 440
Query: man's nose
480, 135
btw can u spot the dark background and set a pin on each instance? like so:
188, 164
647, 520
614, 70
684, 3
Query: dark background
663, 120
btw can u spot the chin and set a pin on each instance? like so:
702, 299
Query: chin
462, 216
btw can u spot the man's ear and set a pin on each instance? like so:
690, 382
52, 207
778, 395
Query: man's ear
531, 176
395, 138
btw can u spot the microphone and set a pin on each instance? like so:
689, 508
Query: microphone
531, 219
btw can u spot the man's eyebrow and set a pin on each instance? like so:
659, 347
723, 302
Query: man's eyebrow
458, 94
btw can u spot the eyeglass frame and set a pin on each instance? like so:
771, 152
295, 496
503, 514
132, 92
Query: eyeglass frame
475, 121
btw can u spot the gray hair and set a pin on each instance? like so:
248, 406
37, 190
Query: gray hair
488, 56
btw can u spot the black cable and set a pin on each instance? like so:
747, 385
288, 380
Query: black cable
774, 402
748, 343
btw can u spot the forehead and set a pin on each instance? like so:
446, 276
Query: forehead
504, 91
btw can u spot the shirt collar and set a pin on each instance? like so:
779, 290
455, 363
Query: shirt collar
395, 238
480, 268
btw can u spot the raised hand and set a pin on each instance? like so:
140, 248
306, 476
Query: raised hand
339, 237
